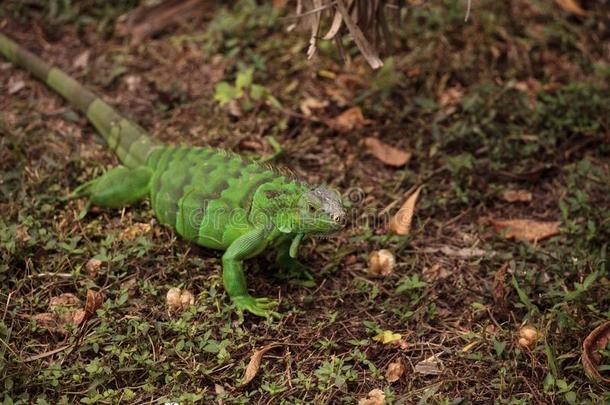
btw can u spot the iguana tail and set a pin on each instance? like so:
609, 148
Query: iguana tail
128, 140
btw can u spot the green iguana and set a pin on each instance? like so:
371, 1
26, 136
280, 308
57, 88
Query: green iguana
211, 197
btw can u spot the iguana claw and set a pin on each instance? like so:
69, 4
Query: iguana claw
257, 306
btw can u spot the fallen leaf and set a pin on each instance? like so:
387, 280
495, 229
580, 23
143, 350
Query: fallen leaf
311, 103
435, 272
15, 84
389, 155
21, 232
598, 339
400, 224
499, 291
464, 253
430, 366
374, 397
395, 371
451, 96
572, 6
386, 337
255, 362
348, 120
66, 300
76, 317
381, 263
47, 320
66, 309
516, 196
134, 231
402, 344
82, 60
526, 229
93, 303
220, 391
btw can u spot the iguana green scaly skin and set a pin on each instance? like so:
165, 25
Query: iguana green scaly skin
210, 197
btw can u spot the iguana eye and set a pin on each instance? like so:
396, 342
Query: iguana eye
311, 209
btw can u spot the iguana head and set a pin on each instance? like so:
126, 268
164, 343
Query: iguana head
320, 211
297, 208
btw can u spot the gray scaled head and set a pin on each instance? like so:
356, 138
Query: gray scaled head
322, 211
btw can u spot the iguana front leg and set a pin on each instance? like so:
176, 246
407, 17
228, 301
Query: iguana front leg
292, 269
233, 276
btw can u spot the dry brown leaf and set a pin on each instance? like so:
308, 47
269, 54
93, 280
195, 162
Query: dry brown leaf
435, 272
395, 371
464, 253
47, 320
134, 231
499, 291
75, 318
572, 6
66, 300
348, 120
21, 232
387, 154
451, 96
220, 392
516, 196
311, 103
591, 358
15, 84
526, 229
374, 397
381, 263
93, 303
400, 224
144, 21
82, 60
255, 362
66, 309
430, 366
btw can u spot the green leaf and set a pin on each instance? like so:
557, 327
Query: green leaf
523, 296
244, 79
257, 91
224, 92
499, 347
387, 336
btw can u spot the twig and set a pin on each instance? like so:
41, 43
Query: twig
468, 7
46, 354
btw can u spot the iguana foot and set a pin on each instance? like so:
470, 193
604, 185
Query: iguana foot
257, 306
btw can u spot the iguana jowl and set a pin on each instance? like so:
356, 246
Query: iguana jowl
210, 197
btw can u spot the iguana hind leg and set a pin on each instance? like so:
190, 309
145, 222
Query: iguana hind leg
117, 187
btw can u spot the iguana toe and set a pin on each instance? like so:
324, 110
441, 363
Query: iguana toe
257, 306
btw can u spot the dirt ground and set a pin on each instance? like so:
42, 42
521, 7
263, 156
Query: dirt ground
505, 116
